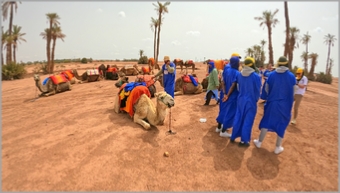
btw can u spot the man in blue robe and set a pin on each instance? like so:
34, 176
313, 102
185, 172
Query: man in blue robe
278, 108
249, 85
169, 74
265, 76
230, 98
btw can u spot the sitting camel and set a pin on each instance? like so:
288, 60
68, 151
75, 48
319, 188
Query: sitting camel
122, 79
52, 85
146, 113
89, 75
205, 82
130, 70
183, 85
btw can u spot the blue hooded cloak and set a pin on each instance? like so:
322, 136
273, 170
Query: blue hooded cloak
169, 80
263, 92
277, 110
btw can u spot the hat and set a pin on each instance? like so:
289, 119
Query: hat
299, 71
166, 58
236, 54
250, 62
282, 61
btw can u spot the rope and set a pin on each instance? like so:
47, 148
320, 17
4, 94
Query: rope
170, 132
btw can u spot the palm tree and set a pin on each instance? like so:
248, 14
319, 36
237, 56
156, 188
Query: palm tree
293, 43
249, 52
52, 18
287, 46
314, 57
3, 41
305, 40
154, 26
268, 19
56, 34
161, 10
141, 52
331, 63
6, 6
329, 40
304, 57
263, 42
45, 35
17, 37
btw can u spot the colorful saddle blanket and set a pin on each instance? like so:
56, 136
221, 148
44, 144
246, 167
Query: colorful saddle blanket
190, 79
45, 81
152, 60
68, 74
112, 69
92, 72
146, 69
58, 79
147, 79
127, 102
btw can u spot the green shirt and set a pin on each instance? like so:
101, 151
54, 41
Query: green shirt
213, 82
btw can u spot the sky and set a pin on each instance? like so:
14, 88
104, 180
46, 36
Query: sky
191, 30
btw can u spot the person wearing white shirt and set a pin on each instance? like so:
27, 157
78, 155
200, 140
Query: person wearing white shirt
299, 91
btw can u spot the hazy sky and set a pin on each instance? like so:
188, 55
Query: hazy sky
191, 30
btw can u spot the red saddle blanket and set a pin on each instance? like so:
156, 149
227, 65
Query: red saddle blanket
132, 97
190, 62
57, 79
112, 69
187, 79
147, 79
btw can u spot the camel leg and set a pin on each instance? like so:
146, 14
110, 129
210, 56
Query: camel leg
181, 68
179, 93
140, 121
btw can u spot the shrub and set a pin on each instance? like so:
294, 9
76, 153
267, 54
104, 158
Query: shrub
324, 78
84, 61
143, 60
13, 71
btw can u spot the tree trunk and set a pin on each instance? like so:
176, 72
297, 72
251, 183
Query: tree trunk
2, 56
311, 72
14, 54
49, 38
329, 52
52, 55
154, 43
306, 59
270, 46
286, 51
9, 45
158, 40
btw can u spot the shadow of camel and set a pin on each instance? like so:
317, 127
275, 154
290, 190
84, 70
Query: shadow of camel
226, 155
262, 164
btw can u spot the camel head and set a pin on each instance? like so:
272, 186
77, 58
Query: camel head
165, 99
36, 77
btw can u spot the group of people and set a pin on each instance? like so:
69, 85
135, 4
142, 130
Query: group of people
240, 92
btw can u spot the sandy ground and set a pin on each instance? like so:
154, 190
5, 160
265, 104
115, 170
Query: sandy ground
73, 141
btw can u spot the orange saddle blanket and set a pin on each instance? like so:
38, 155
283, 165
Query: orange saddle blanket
58, 79
146, 69
131, 98
68, 74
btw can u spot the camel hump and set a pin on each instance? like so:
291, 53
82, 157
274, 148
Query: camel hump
58, 79
68, 73
128, 66
92, 72
177, 59
190, 61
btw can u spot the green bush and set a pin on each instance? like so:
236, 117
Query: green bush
84, 61
143, 60
324, 78
13, 71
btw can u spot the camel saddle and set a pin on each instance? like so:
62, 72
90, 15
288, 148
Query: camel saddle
186, 78
68, 74
127, 102
147, 79
58, 79
177, 60
146, 69
190, 62
92, 72
112, 69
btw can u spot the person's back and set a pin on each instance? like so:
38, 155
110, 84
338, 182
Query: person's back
251, 90
283, 81
229, 78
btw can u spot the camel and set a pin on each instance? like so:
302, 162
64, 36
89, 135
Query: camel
146, 113
205, 83
52, 86
152, 65
178, 62
129, 70
89, 75
123, 79
149, 81
110, 72
183, 86
187, 64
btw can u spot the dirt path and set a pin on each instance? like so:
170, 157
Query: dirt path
73, 141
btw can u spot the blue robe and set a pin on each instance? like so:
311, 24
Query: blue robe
277, 110
263, 92
169, 80
231, 104
249, 93
221, 105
